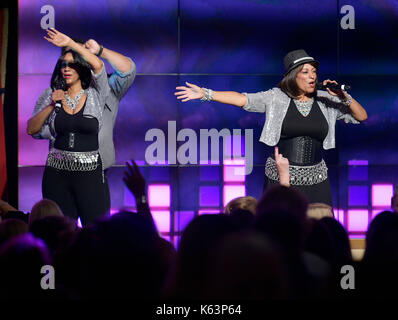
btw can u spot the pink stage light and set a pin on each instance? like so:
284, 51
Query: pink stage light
235, 162
159, 195
79, 223
233, 191
357, 220
234, 170
356, 236
339, 215
381, 195
162, 220
113, 211
168, 238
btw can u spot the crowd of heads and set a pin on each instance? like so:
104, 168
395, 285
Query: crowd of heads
276, 247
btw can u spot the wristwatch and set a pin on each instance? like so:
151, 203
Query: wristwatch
100, 51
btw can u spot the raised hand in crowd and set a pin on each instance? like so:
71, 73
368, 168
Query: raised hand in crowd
282, 165
136, 183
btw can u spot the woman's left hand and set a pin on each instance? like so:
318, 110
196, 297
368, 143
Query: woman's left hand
57, 38
333, 93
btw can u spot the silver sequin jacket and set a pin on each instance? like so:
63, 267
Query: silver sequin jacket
275, 103
96, 95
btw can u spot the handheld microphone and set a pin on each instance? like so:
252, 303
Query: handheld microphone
58, 106
333, 86
59, 85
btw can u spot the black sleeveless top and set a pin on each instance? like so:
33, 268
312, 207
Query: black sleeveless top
76, 132
302, 137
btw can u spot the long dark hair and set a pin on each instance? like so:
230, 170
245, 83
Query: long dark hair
82, 68
289, 84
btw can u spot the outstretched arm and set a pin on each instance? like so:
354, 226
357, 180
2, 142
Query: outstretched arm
122, 78
120, 62
62, 40
192, 92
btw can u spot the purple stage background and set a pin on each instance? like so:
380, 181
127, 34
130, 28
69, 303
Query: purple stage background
225, 45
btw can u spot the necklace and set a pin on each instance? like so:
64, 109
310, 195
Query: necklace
304, 107
73, 102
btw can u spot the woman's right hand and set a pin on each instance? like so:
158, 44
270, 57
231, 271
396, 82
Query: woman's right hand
191, 92
58, 95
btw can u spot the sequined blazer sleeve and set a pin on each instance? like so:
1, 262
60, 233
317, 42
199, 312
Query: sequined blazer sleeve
258, 102
44, 100
336, 105
101, 85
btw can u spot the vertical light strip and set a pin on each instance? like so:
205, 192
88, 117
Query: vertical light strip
339, 215
159, 199
234, 179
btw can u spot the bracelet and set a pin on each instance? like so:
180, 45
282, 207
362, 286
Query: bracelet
208, 95
100, 51
141, 200
348, 100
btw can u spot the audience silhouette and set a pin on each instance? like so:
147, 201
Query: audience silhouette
270, 249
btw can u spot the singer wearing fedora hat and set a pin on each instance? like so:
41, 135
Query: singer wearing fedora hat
299, 121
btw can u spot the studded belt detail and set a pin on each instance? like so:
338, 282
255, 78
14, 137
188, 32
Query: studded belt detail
299, 175
301, 150
73, 161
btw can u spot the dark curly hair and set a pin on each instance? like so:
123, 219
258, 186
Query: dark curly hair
82, 68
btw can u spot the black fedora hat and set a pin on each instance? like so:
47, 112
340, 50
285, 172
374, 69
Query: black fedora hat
296, 58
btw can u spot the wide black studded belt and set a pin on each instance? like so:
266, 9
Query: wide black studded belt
302, 150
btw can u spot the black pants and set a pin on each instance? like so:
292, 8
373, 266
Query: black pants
78, 193
317, 193
107, 192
